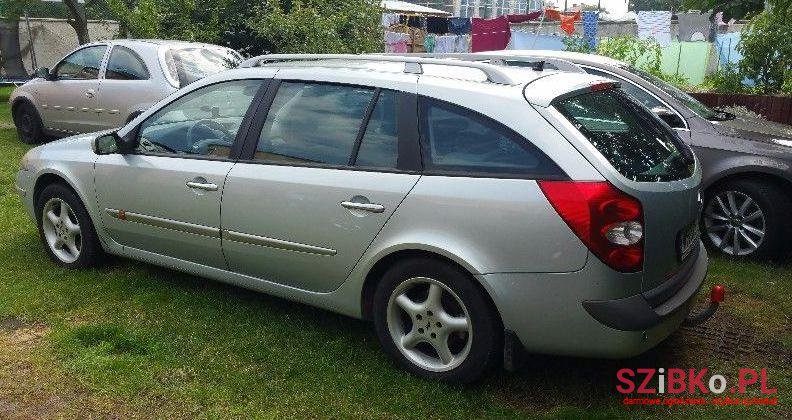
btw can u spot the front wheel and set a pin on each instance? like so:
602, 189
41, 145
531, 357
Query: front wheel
65, 229
434, 321
747, 219
28, 123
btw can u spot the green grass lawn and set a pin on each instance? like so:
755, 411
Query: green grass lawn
134, 340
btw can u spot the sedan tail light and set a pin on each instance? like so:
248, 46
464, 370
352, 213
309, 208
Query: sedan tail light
608, 221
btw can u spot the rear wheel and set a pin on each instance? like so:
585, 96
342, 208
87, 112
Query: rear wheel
28, 123
435, 322
747, 218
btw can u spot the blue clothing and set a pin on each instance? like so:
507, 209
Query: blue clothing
590, 29
459, 25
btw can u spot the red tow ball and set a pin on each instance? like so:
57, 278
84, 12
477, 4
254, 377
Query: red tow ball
718, 293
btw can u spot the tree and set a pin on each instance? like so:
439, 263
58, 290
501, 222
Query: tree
78, 19
767, 52
10, 51
732, 9
141, 19
319, 26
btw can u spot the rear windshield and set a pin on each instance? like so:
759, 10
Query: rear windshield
189, 64
633, 140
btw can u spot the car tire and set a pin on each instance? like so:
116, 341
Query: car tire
411, 326
66, 229
760, 221
30, 129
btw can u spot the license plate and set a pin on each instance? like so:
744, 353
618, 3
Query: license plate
687, 240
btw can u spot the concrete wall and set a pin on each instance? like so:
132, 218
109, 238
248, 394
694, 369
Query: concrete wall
54, 38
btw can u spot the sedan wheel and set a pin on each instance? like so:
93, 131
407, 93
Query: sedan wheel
62, 230
429, 324
735, 223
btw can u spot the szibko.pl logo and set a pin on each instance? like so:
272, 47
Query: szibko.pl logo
677, 381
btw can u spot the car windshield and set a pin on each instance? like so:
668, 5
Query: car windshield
188, 64
702, 110
635, 142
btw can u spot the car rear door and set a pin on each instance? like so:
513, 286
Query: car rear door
164, 197
129, 84
327, 164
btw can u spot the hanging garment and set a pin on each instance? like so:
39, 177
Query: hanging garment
525, 17
590, 20
568, 24
528, 41
437, 25
462, 44
459, 25
396, 42
550, 14
693, 27
416, 22
655, 25
429, 43
446, 43
490, 34
389, 19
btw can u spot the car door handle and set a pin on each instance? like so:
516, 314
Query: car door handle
202, 185
374, 208
90, 93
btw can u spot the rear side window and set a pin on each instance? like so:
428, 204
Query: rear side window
628, 136
313, 123
458, 140
124, 64
379, 146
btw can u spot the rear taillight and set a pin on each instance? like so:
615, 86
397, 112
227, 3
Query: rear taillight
607, 220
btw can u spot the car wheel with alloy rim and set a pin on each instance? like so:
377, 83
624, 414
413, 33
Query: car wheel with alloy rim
66, 229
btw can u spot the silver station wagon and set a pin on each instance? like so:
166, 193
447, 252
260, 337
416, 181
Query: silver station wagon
468, 209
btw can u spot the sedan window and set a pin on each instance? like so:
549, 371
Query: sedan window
124, 64
202, 122
83, 64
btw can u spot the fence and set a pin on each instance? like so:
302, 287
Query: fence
774, 108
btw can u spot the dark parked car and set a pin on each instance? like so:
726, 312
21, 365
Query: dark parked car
747, 162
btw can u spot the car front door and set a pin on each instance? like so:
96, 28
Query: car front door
165, 197
328, 165
69, 101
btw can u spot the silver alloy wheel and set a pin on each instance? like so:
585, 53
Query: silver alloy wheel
735, 223
61, 230
429, 324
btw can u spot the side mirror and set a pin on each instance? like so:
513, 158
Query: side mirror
666, 115
43, 73
110, 143
106, 144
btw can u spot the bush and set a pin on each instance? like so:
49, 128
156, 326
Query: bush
576, 44
728, 79
643, 54
767, 51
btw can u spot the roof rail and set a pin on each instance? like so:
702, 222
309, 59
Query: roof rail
412, 63
501, 59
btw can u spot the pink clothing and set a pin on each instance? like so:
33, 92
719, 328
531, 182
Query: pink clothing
490, 34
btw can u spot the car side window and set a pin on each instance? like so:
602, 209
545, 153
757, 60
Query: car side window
379, 145
313, 123
637, 93
125, 64
82, 64
458, 140
203, 122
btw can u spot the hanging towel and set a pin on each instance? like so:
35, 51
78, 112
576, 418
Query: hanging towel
396, 42
437, 25
693, 27
550, 14
568, 24
590, 19
490, 34
416, 22
462, 44
655, 25
429, 43
446, 43
459, 25
389, 19
525, 17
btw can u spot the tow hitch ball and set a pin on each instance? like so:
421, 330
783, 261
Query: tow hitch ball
717, 294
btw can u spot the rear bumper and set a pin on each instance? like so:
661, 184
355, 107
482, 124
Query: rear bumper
546, 312
646, 310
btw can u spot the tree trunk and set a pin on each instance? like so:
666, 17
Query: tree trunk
11, 59
78, 20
